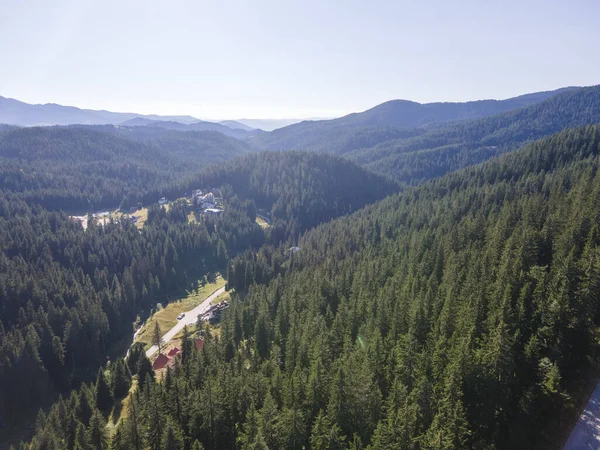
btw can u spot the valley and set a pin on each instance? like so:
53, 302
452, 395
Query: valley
414, 276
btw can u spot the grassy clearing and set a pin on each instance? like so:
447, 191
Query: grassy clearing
262, 223
167, 317
120, 411
225, 296
142, 215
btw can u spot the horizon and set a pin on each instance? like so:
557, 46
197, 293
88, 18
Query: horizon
297, 118
290, 61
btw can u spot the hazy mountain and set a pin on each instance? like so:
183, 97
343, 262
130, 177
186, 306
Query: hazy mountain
199, 125
406, 114
234, 124
139, 122
15, 112
395, 113
434, 152
268, 124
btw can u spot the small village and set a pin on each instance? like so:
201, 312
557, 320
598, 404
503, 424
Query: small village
209, 202
168, 355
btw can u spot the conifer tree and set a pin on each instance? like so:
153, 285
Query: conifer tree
171, 439
96, 435
157, 337
104, 398
197, 445
121, 380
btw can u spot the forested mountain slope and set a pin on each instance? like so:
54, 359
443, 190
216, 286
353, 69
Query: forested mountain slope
413, 155
449, 316
299, 190
68, 294
199, 125
337, 133
436, 152
82, 169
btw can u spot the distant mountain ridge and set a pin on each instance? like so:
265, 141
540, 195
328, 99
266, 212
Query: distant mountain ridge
268, 124
309, 135
15, 112
306, 135
236, 125
200, 125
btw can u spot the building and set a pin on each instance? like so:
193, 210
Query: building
199, 344
173, 352
160, 362
213, 314
213, 211
162, 201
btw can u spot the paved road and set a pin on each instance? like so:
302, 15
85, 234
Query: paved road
586, 434
191, 317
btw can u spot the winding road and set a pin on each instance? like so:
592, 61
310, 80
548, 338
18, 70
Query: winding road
191, 317
586, 433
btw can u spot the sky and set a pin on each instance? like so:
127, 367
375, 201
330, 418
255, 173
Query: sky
228, 59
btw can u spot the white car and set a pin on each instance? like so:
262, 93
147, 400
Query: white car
180, 316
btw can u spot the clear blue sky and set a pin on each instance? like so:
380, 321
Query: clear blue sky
288, 58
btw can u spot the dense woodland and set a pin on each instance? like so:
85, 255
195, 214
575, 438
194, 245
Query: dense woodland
85, 168
394, 146
455, 313
68, 295
296, 190
82, 169
449, 316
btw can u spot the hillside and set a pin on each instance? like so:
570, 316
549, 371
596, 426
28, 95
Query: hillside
329, 135
69, 294
199, 125
80, 168
234, 124
297, 190
453, 315
435, 152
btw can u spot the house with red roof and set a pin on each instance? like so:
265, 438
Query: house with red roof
160, 362
174, 351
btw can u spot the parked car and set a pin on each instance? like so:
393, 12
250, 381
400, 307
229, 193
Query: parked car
180, 316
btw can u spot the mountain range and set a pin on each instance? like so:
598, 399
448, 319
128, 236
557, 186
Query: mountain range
289, 133
15, 112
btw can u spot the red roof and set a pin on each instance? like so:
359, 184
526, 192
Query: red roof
160, 362
199, 344
174, 351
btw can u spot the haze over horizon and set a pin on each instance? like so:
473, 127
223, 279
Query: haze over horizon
275, 61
